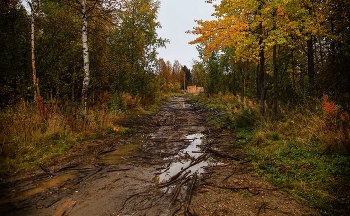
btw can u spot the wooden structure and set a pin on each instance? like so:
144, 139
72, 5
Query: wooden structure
193, 89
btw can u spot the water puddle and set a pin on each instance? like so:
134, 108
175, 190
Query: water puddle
41, 186
186, 159
179, 103
122, 154
193, 150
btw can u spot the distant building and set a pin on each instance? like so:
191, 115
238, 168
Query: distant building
194, 89
200, 89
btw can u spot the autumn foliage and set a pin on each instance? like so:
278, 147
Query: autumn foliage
280, 51
329, 107
336, 130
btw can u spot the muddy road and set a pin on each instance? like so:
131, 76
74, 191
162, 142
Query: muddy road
176, 165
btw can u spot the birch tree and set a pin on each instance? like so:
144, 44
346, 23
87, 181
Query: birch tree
86, 60
33, 8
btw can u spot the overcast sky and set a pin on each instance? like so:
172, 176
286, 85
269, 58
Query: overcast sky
176, 17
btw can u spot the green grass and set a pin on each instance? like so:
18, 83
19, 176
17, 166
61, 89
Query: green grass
303, 171
246, 194
293, 153
28, 154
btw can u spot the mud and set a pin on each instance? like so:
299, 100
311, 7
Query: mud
175, 164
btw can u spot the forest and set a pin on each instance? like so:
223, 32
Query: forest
278, 69
285, 64
70, 70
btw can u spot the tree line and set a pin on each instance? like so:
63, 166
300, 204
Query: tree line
290, 51
78, 50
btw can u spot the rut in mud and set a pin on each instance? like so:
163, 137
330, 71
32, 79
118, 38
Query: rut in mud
177, 165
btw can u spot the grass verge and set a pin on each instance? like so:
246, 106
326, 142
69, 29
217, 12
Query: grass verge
29, 138
305, 153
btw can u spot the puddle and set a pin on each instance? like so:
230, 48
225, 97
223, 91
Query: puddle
179, 103
193, 149
41, 186
184, 159
123, 154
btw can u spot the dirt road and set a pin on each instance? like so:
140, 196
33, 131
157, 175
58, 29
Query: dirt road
176, 165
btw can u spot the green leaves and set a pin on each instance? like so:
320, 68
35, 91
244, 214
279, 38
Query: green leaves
134, 44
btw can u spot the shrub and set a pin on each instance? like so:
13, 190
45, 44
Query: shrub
246, 118
335, 131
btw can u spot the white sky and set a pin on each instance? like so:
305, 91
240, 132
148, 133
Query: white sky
176, 17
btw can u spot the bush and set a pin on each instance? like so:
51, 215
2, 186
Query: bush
246, 119
335, 131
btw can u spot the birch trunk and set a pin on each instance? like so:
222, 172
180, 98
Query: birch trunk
85, 58
32, 48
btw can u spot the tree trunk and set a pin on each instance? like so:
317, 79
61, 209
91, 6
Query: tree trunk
184, 81
263, 82
32, 47
262, 72
257, 92
85, 58
244, 84
311, 66
275, 83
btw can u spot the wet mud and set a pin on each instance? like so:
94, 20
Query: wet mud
175, 165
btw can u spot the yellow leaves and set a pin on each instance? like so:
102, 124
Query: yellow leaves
267, 9
280, 13
228, 30
238, 24
145, 8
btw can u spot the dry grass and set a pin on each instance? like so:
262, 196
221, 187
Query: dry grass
31, 134
28, 139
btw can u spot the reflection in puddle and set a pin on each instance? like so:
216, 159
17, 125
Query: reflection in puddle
179, 103
41, 186
193, 149
123, 154
185, 158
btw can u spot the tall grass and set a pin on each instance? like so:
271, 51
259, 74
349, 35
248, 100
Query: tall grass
28, 139
31, 134
305, 153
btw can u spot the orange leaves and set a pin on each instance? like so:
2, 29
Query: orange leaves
112, 128
228, 30
280, 12
116, 129
329, 107
337, 127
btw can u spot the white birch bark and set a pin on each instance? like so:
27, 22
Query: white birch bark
85, 58
32, 48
